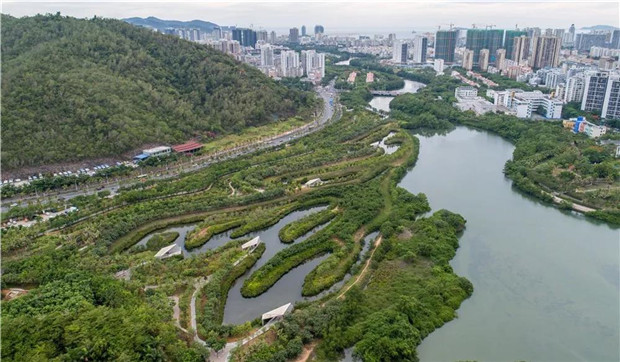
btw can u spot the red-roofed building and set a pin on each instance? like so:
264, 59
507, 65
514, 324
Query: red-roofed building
189, 147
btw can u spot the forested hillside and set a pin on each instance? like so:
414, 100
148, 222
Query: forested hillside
74, 89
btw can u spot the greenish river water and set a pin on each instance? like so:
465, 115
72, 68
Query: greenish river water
546, 282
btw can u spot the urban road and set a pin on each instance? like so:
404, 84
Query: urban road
327, 93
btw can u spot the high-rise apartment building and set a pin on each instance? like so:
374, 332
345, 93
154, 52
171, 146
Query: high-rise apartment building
318, 29
217, 32
558, 33
615, 39
229, 46
262, 35
293, 35
303, 30
532, 32
594, 92
483, 60
272, 37
478, 39
289, 64
583, 42
520, 49
419, 49
400, 51
500, 58
509, 41
266, 56
554, 78
312, 61
571, 31
245, 37
438, 66
611, 104
573, 91
468, 59
545, 52
445, 45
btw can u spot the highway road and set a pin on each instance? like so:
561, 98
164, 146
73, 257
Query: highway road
197, 163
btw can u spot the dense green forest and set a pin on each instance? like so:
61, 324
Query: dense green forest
77, 88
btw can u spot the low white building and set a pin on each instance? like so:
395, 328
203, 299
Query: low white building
466, 92
524, 104
157, 151
468, 100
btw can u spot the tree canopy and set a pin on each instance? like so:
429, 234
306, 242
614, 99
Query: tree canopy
81, 88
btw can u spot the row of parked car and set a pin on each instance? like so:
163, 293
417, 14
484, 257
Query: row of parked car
81, 171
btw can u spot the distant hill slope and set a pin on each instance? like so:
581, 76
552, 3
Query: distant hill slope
160, 24
599, 27
75, 89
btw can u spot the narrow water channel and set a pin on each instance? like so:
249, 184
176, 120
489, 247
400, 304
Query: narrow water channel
287, 289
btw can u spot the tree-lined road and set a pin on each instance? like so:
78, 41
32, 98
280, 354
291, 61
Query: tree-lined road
326, 93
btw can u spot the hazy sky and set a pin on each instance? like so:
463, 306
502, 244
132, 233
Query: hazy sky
345, 16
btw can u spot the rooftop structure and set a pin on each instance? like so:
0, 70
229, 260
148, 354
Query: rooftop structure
189, 147
251, 244
466, 92
351, 78
157, 151
168, 251
277, 313
314, 182
463, 79
468, 100
140, 157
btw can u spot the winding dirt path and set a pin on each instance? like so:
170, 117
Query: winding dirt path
307, 352
176, 312
359, 277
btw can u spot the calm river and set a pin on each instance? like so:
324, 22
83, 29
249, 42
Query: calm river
546, 282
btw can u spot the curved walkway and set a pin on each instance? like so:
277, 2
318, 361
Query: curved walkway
192, 307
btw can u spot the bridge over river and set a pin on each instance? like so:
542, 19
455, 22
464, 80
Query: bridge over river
393, 93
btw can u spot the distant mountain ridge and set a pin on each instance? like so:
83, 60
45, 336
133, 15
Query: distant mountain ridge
599, 27
160, 24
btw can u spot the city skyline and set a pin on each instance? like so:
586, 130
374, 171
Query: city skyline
344, 17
